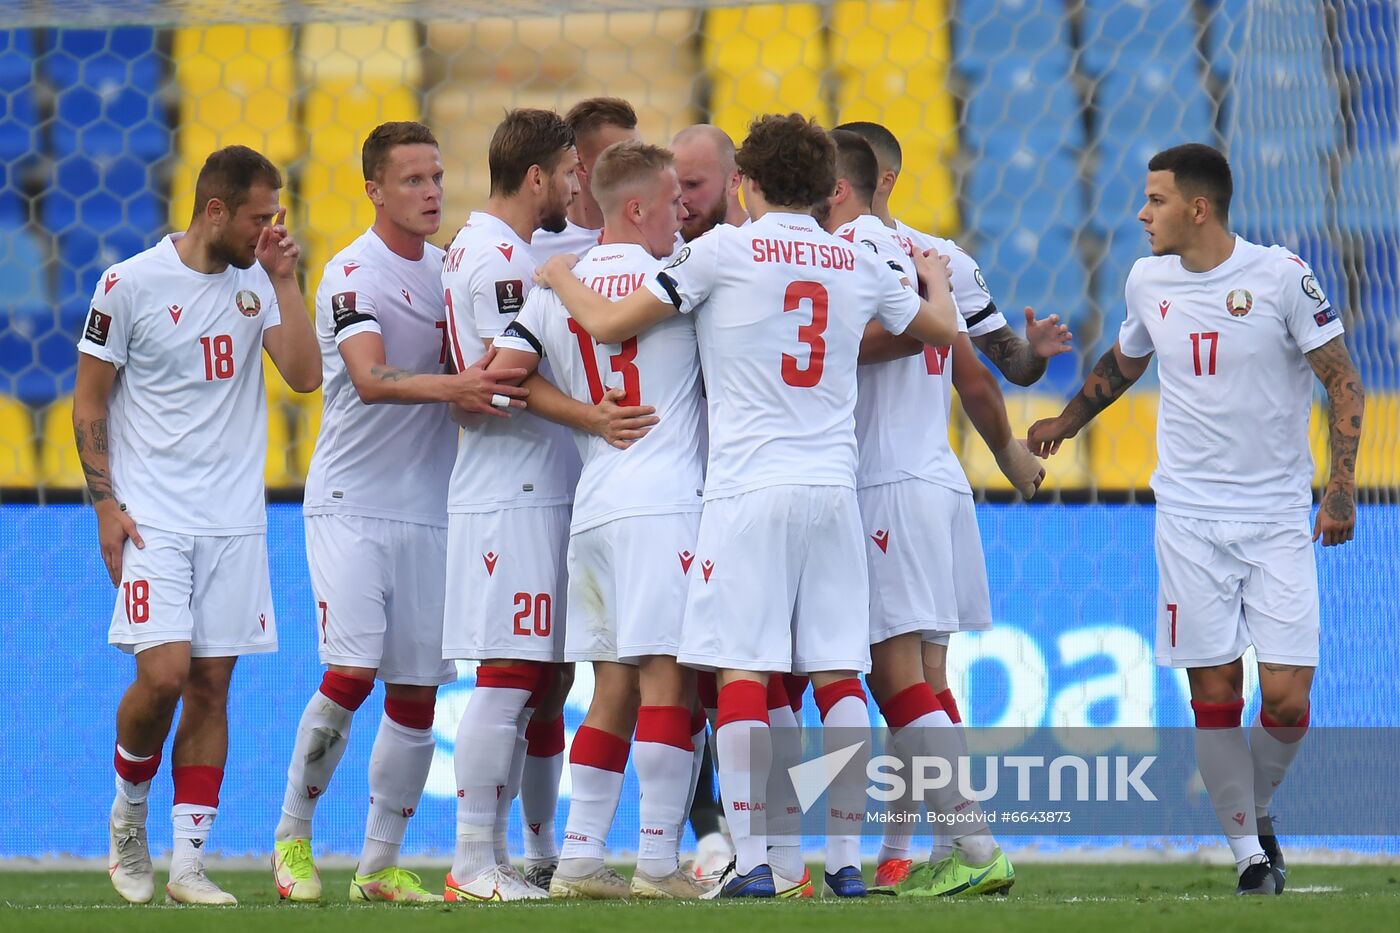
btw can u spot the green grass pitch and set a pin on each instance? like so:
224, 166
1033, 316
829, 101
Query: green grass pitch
1128, 898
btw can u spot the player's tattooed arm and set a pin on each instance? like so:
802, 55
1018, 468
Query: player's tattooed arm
1113, 374
1346, 401
1022, 359
90, 395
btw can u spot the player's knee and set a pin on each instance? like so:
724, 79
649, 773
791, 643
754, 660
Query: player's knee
206, 688
564, 682
1286, 710
163, 684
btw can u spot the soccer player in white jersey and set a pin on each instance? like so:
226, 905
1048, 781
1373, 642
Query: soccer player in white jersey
508, 512
632, 539
780, 307
170, 419
1021, 360
1236, 328
597, 122
709, 180
927, 574
376, 522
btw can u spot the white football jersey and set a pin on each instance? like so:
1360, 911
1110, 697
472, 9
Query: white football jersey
780, 307
974, 299
501, 462
663, 472
1236, 390
572, 239
903, 405
187, 417
381, 461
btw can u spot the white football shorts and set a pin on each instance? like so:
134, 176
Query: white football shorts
506, 584
379, 587
1226, 585
627, 587
780, 583
927, 572
211, 591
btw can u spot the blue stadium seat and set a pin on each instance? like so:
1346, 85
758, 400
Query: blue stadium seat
1118, 34
1032, 102
19, 119
23, 287
1125, 244
107, 83
989, 33
1278, 192
1368, 191
1374, 328
1368, 33
38, 357
1275, 29
1024, 187
1169, 104
1040, 267
83, 254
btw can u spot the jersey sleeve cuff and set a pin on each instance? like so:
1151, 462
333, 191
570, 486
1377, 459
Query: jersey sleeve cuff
1330, 332
664, 288
368, 326
100, 353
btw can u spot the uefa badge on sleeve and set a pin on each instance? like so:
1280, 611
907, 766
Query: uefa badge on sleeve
248, 303
1239, 302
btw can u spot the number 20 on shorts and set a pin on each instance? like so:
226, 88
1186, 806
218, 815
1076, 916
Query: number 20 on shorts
534, 614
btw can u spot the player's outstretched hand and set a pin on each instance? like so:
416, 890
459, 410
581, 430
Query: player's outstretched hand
933, 269
1020, 467
555, 266
1336, 518
622, 425
114, 526
1048, 337
1046, 435
494, 393
277, 252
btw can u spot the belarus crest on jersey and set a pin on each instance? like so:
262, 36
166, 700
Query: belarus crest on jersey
1239, 302
248, 303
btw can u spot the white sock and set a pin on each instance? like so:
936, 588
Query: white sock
512, 791
398, 769
784, 812
665, 757
846, 720
192, 825
1223, 757
486, 744
745, 748
129, 806
319, 746
597, 761
1272, 748
698, 741
898, 837
539, 788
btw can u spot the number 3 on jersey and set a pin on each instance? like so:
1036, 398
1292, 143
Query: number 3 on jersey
813, 293
622, 363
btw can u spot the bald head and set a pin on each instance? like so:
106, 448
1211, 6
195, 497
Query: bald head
709, 179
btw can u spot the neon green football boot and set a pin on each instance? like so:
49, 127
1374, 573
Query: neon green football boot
953, 876
394, 885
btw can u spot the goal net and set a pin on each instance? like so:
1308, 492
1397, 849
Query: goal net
1026, 127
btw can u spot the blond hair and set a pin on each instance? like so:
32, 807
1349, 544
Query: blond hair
624, 164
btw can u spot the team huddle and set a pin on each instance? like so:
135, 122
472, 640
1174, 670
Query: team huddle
680, 413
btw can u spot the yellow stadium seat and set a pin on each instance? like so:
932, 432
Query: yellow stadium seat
237, 85
890, 60
59, 466
1065, 470
355, 77
768, 58
1378, 461
1122, 443
18, 465
489, 65
280, 471
308, 426
1317, 443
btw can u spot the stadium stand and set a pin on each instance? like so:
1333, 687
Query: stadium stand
1069, 470
763, 59
1123, 442
17, 461
994, 32
59, 466
354, 78
890, 61
236, 84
